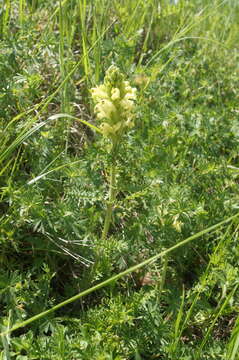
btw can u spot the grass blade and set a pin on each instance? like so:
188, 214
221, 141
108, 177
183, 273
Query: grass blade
120, 275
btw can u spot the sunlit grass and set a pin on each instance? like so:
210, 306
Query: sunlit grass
176, 176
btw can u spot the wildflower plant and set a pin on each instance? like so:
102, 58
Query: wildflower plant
114, 107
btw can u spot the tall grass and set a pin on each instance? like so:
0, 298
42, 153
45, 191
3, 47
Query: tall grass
132, 269
146, 41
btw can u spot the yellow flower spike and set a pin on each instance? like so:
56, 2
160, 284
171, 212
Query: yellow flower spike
99, 92
131, 93
114, 107
107, 130
115, 94
115, 102
105, 109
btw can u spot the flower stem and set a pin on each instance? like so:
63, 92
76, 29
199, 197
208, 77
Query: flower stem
110, 205
112, 195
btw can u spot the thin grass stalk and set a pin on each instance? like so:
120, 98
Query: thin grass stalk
180, 34
177, 330
22, 5
131, 25
6, 339
99, 18
6, 18
163, 278
25, 134
2, 171
64, 68
153, 12
86, 62
174, 345
205, 339
179, 317
34, 5
233, 345
118, 276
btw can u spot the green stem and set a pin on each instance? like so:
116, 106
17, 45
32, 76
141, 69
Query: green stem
120, 275
112, 195
109, 210
163, 278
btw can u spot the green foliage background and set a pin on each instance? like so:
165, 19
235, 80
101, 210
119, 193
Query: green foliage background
178, 174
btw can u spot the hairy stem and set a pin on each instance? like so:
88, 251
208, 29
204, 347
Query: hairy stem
112, 195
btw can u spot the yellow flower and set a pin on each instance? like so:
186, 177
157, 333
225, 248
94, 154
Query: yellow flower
115, 102
105, 109
106, 129
115, 94
99, 93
